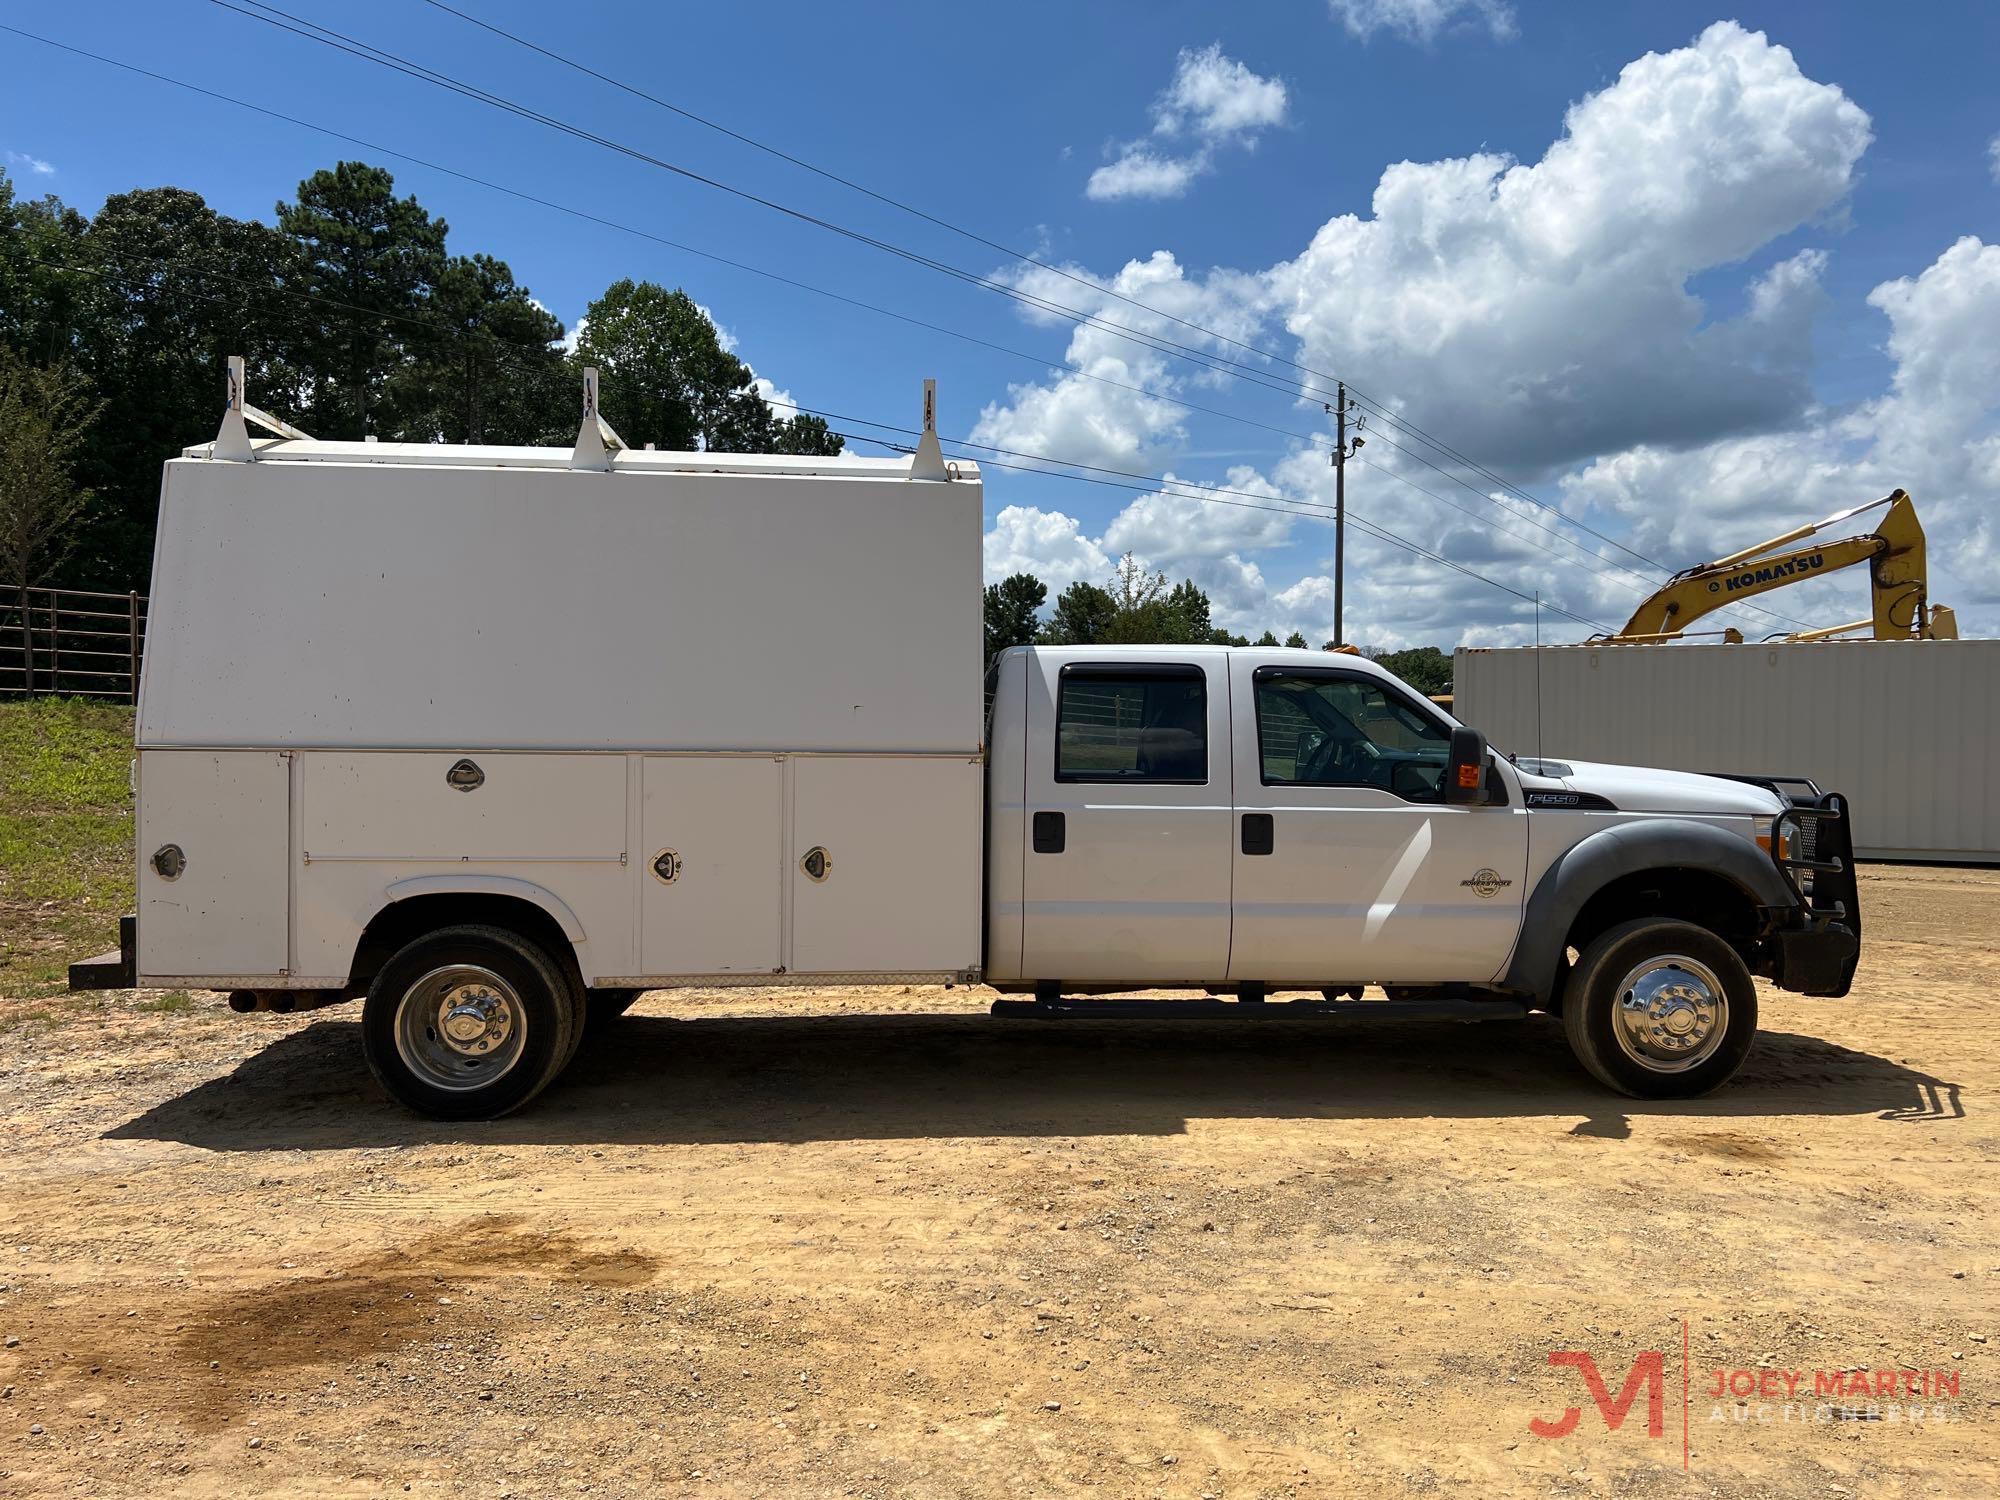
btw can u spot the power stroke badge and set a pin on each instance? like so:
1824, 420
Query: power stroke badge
1486, 883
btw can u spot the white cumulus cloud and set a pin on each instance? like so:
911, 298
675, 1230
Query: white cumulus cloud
1139, 173
1422, 20
33, 164
1216, 98
1114, 407
1048, 544
783, 403
1212, 101
1543, 308
1177, 524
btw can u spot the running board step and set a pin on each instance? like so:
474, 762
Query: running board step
1446, 1009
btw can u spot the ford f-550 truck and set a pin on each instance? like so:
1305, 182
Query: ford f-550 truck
498, 738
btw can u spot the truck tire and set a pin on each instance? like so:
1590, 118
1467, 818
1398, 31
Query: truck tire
469, 1023
1659, 1009
579, 1014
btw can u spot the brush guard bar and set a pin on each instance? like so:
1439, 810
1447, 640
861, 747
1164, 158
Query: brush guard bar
1819, 948
1819, 954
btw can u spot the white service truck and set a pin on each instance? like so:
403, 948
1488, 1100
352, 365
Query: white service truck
499, 738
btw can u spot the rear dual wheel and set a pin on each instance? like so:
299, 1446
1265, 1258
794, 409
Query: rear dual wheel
470, 1022
1660, 1010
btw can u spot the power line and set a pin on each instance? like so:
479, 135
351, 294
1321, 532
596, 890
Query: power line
847, 182
1190, 490
1036, 463
1307, 438
1649, 586
1012, 253
340, 42
598, 219
1367, 526
328, 36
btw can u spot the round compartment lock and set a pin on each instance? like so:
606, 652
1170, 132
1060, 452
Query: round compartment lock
667, 866
465, 776
169, 860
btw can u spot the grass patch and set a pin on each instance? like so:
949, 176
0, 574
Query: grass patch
65, 838
168, 1003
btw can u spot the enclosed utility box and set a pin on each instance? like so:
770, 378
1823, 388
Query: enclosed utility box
713, 714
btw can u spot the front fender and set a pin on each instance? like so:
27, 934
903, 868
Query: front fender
1592, 863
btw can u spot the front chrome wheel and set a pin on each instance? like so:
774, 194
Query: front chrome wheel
1671, 1013
461, 1027
1659, 1008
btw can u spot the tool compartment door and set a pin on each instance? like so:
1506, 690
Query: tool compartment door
227, 912
895, 886
712, 868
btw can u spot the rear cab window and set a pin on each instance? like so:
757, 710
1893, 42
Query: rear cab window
1131, 723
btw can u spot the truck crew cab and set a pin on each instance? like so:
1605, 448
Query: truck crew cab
498, 738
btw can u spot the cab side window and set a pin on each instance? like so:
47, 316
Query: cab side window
1325, 730
1132, 724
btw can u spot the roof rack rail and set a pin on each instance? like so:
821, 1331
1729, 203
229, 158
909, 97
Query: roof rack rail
596, 439
232, 439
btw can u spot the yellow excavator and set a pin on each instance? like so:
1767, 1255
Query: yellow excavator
1894, 552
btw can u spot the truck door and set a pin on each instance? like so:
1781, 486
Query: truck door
1126, 872
1349, 867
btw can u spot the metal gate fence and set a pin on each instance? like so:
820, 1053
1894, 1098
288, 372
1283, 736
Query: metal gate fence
71, 642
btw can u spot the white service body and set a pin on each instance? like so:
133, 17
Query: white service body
727, 660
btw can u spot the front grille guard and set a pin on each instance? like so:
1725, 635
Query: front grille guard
1820, 868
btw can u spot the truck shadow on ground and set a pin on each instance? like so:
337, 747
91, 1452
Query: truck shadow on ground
886, 1077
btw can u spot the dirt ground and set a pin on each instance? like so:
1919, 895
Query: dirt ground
878, 1243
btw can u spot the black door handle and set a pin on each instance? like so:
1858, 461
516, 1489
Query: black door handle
1051, 833
1259, 837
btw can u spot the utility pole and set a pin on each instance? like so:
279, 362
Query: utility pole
1341, 453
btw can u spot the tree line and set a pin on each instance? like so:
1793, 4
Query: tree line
355, 317
1136, 607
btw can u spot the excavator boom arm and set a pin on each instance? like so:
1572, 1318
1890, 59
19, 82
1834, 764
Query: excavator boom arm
1702, 590
1894, 551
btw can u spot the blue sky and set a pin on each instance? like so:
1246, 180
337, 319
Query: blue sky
1672, 328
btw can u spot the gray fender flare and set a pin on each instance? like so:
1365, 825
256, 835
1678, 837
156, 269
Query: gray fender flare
494, 885
1592, 863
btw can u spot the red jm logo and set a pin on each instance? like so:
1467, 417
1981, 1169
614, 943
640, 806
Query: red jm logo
1648, 1371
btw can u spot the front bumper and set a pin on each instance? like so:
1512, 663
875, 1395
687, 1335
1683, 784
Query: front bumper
1819, 959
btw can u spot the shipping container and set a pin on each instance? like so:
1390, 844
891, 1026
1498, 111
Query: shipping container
1905, 728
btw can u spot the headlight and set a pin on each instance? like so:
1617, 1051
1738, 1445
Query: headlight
1774, 838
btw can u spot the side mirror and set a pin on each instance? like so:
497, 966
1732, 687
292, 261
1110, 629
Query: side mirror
1465, 771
